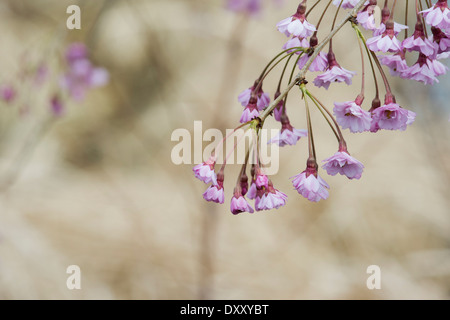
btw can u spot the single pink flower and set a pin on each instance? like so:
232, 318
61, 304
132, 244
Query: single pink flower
296, 42
438, 15
418, 41
320, 63
310, 185
341, 162
419, 44
262, 99
425, 70
351, 116
385, 42
396, 63
296, 25
334, 74
205, 171
214, 193
239, 204
271, 198
391, 116
366, 18
261, 180
250, 112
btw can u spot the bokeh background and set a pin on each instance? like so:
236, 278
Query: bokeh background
97, 187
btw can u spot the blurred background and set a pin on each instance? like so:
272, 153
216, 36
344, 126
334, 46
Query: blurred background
95, 186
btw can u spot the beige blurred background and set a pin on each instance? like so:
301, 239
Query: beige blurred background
98, 188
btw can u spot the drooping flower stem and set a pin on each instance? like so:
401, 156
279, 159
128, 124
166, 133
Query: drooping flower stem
290, 80
325, 116
339, 132
282, 73
295, 49
335, 16
392, 10
227, 136
322, 15
312, 7
261, 79
363, 70
311, 147
406, 18
377, 94
380, 69
423, 20
244, 167
232, 150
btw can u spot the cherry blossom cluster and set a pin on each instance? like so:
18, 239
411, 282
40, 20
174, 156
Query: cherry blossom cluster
389, 44
77, 77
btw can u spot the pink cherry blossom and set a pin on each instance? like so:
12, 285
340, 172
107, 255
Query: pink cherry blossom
288, 136
311, 186
205, 171
296, 42
341, 162
350, 115
296, 25
418, 41
270, 199
438, 15
293, 26
261, 180
392, 117
214, 194
396, 63
250, 112
366, 18
386, 42
425, 70
334, 74
320, 63
263, 99
239, 205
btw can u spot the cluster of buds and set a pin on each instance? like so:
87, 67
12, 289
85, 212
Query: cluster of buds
307, 50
